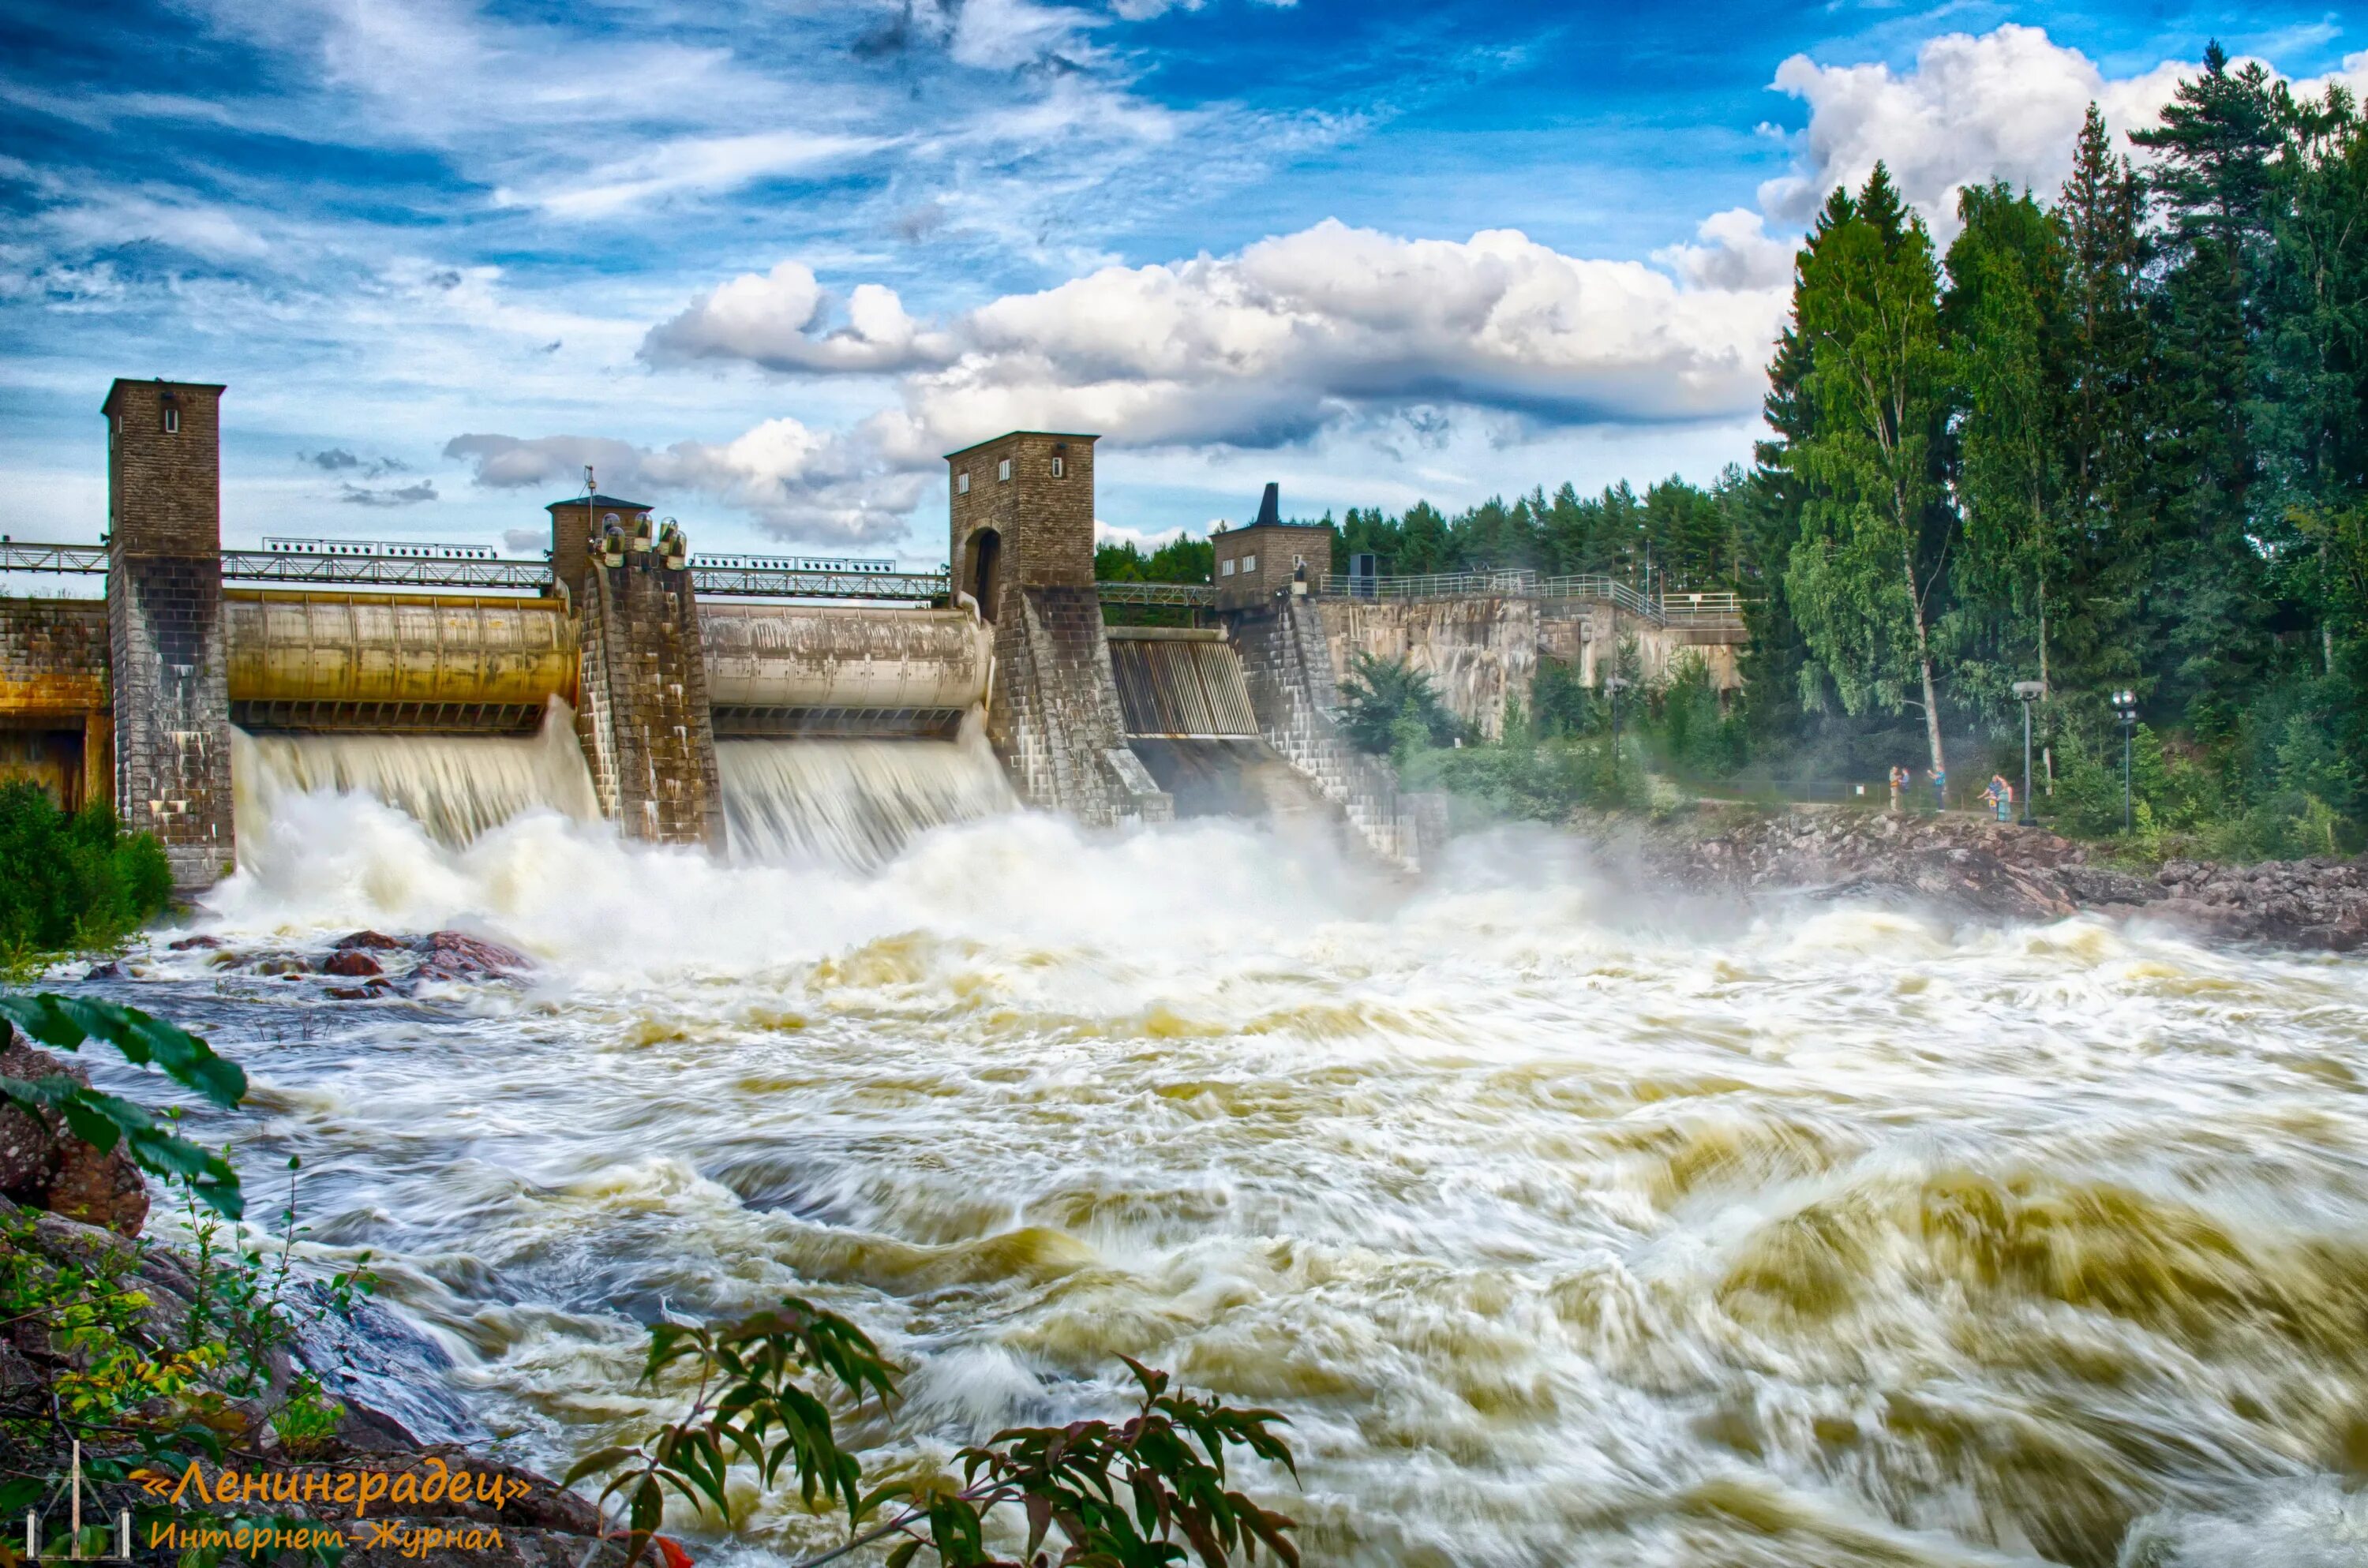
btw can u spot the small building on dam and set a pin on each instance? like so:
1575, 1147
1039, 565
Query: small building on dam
696, 682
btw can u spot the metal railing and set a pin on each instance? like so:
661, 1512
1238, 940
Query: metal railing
384, 571
776, 582
1198, 595
1715, 608
736, 577
52, 557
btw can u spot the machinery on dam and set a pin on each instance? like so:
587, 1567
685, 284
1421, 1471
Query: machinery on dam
747, 704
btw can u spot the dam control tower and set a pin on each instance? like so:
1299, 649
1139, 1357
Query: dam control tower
1020, 547
168, 671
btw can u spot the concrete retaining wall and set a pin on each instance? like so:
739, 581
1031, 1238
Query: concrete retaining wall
1479, 650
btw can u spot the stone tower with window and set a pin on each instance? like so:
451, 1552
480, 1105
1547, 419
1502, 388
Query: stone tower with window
1020, 545
165, 622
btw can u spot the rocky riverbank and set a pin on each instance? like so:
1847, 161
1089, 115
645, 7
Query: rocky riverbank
371, 1467
2002, 871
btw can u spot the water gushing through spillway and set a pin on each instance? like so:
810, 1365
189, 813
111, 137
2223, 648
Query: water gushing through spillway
455, 787
853, 802
1567, 1227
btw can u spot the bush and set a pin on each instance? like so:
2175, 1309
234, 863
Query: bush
70, 882
1697, 738
1385, 705
1538, 780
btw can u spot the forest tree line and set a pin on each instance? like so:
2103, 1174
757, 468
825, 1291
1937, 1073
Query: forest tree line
2111, 436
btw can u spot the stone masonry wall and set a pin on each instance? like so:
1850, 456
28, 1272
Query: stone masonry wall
1045, 522
1290, 673
1052, 713
164, 624
53, 659
1480, 649
53, 695
645, 725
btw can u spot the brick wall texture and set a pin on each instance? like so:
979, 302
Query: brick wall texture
164, 624
1046, 523
644, 724
1053, 710
1264, 560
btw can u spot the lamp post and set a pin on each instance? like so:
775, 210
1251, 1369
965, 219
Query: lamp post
2028, 692
2125, 708
1615, 685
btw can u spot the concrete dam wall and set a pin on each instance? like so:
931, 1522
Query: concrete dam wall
625, 680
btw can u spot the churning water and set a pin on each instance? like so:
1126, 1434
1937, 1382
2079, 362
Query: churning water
454, 786
855, 802
1566, 1231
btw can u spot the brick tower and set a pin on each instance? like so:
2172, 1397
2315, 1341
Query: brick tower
1021, 544
165, 622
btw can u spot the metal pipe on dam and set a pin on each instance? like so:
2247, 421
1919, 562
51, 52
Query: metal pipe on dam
797, 669
340, 661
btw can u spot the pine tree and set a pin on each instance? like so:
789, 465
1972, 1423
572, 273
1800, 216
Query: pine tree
2213, 185
2004, 318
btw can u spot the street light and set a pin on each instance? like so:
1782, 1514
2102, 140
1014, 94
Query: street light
2125, 708
1615, 685
2028, 692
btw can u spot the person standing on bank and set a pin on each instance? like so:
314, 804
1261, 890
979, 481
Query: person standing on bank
1940, 776
1898, 785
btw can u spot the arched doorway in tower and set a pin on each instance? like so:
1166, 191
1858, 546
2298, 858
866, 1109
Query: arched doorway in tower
982, 568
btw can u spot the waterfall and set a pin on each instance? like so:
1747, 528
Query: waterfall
853, 802
456, 787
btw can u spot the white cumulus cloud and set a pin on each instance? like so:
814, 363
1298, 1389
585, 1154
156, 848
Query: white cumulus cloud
797, 482
2005, 105
778, 320
1289, 337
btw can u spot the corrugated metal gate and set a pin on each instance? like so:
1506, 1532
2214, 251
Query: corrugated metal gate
1179, 684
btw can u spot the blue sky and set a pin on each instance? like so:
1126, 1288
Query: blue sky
763, 262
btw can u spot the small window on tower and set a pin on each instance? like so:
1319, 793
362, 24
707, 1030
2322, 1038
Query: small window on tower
962, 484
172, 420
1249, 562
1060, 465
1224, 568
1003, 470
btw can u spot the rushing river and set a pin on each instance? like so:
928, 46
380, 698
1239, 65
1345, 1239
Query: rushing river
1568, 1228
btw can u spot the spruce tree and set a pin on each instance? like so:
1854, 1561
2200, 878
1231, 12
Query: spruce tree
1866, 577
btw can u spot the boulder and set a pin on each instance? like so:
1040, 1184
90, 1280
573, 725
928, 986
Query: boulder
376, 941
352, 963
44, 1166
448, 955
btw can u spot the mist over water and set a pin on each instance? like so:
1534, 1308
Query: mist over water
1567, 1227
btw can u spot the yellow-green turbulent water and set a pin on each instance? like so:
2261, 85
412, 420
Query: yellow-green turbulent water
1569, 1227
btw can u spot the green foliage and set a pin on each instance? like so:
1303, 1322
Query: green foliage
1676, 536
1697, 738
132, 1391
1118, 1494
1386, 705
1540, 780
1179, 560
749, 1403
1874, 537
72, 881
102, 1120
307, 1418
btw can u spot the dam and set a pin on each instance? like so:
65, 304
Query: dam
1562, 1227
749, 705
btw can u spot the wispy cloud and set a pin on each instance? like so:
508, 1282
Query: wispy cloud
402, 496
